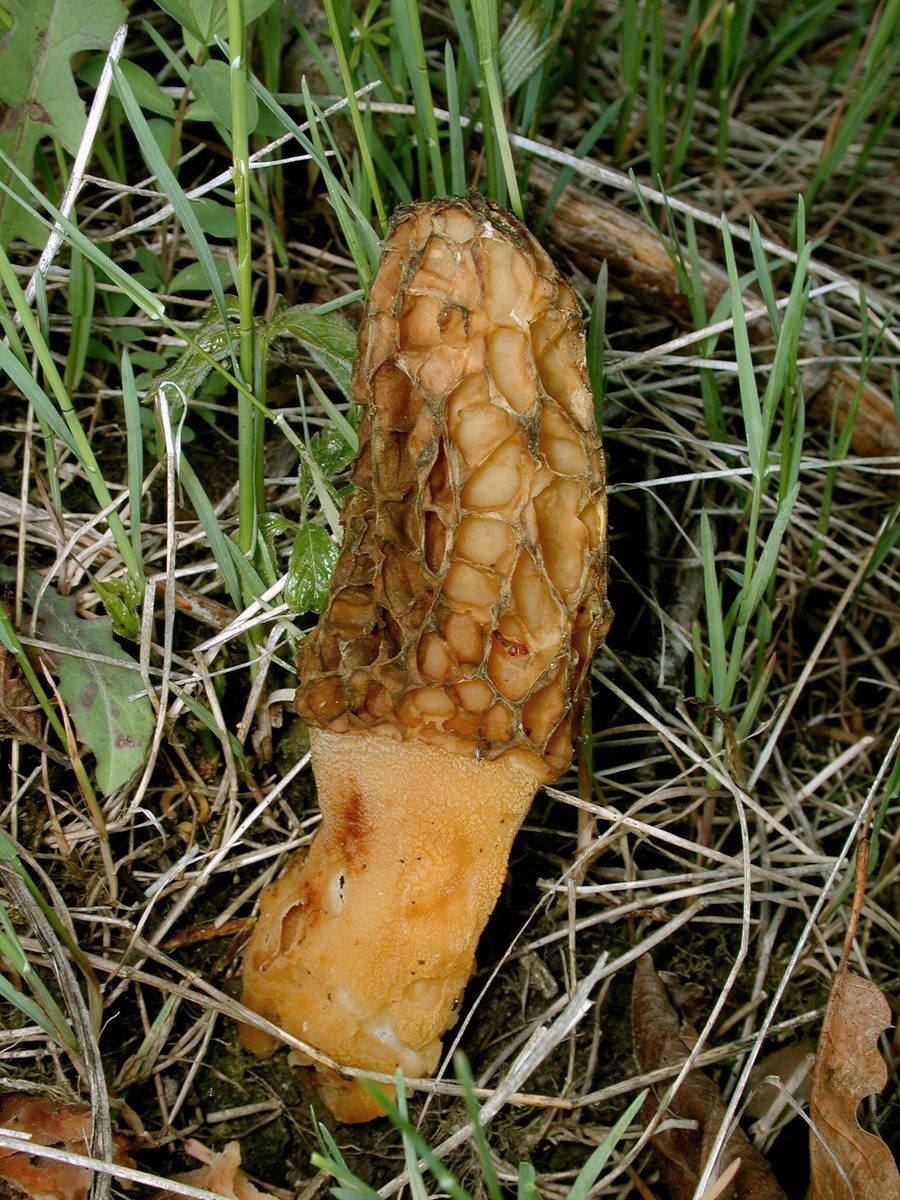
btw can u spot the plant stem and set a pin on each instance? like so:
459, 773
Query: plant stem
486, 34
251, 498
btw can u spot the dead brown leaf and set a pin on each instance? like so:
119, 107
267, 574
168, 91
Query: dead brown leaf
222, 1176
847, 1163
20, 715
48, 1123
792, 1066
660, 1040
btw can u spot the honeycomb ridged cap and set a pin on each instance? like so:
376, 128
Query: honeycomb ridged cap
470, 591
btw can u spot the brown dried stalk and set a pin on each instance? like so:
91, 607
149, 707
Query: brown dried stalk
592, 231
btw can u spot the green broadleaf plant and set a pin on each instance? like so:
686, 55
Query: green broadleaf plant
202, 21
37, 84
98, 683
313, 556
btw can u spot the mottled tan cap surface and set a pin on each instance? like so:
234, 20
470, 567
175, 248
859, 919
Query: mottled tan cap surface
470, 592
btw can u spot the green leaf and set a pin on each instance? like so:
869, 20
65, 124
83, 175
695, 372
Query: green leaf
329, 336
204, 19
99, 693
329, 449
194, 277
211, 341
37, 84
589, 1173
312, 561
148, 92
182, 11
215, 218
527, 1188
213, 83
122, 600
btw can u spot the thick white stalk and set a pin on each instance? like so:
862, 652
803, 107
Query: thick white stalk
364, 946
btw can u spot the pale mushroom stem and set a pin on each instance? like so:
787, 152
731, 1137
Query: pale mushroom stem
370, 940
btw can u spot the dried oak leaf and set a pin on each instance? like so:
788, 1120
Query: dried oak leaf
48, 1123
846, 1162
222, 1176
19, 713
660, 1040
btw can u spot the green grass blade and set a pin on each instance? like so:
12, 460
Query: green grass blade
489, 1175
337, 41
718, 657
589, 1173
43, 1010
218, 541
409, 32
362, 241
454, 126
251, 466
446, 1181
346, 430
486, 33
768, 560
764, 277
417, 1186
596, 344
760, 691
155, 161
656, 96
585, 145
750, 403
80, 304
46, 410
77, 437
203, 714
785, 363
332, 1161
41, 1013
134, 434
526, 1185
135, 291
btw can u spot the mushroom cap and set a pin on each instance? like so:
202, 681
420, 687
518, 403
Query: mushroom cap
470, 592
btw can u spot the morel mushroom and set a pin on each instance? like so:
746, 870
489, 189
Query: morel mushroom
443, 682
